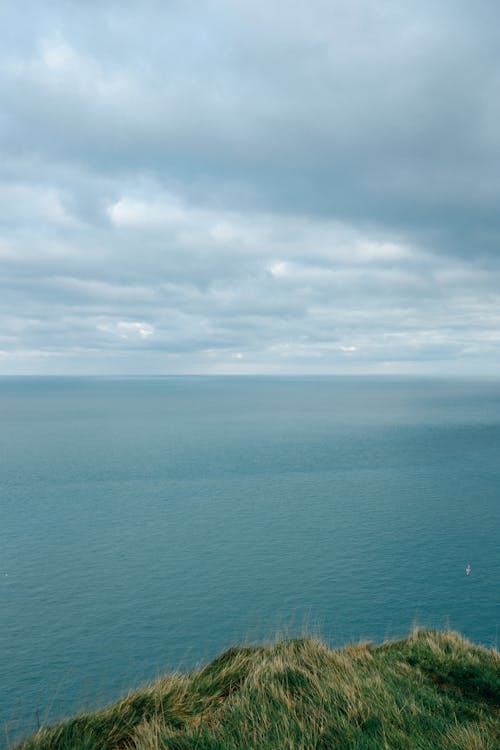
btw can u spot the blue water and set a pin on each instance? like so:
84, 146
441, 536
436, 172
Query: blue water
147, 524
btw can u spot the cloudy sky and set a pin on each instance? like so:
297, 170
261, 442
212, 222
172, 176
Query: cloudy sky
224, 186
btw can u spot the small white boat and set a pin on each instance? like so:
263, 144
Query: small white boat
468, 570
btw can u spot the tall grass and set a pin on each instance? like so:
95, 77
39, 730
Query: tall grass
430, 691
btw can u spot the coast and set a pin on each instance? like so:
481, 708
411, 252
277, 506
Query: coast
432, 690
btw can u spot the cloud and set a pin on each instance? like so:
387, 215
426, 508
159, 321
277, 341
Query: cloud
127, 212
127, 329
263, 187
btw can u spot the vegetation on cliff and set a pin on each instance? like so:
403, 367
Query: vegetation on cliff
430, 691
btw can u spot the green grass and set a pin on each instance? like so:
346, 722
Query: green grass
429, 691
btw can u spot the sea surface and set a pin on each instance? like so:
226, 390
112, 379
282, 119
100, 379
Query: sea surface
148, 524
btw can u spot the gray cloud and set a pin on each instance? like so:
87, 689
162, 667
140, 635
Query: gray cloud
249, 187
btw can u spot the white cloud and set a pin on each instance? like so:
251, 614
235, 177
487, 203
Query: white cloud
366, 251
29, 354
132, 213
306, 349
102, 290
57, 54
126, 329
279, 269
22, 204
55, 67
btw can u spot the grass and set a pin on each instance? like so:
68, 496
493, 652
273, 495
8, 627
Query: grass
430, 691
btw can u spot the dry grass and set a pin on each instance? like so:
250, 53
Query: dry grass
430, 691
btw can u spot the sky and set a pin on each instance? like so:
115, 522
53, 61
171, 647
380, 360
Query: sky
262, 187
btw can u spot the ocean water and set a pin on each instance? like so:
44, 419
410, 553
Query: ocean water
148, 524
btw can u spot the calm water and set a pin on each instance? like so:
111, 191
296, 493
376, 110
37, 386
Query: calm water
147, 524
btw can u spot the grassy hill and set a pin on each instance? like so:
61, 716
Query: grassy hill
431, 690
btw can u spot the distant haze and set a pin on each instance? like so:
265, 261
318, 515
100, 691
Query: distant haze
250, 187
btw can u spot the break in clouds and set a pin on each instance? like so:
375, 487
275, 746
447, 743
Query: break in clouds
225, 187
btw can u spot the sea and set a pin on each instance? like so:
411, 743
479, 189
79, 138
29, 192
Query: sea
147, 524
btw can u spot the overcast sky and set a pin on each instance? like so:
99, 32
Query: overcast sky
250, 187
